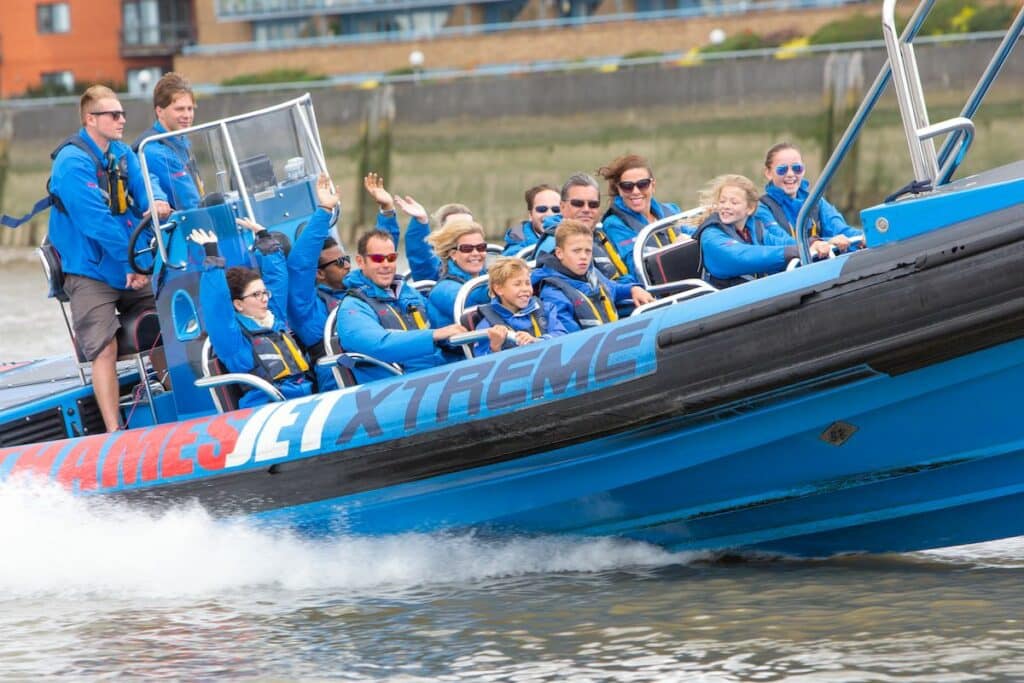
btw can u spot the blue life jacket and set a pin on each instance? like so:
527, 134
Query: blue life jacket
539, 323
589, 310
414, 317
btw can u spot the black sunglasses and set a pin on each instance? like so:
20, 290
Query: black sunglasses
540, 208
592, 203
113, 113
642, 184
341, 262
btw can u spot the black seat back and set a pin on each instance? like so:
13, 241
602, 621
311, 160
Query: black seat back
677, 261
50, 260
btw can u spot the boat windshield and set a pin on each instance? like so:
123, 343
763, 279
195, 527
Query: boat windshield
249, 160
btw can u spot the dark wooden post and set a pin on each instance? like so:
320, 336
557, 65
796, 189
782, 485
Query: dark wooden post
844, 89
374, 155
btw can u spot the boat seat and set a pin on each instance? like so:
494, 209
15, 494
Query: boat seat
343, 363
138, 334
470, 319
226, 388
424, 287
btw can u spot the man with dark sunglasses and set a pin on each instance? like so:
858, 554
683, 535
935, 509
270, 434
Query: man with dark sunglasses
99, 197
542, 201
385, 317
317, 268
581, 201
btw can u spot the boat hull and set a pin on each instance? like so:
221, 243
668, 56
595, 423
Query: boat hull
854, 405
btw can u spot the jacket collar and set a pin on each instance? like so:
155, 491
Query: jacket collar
524, 312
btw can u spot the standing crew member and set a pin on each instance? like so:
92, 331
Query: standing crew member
171, 159
99, 196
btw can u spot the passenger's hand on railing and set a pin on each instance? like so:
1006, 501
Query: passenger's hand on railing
326, 194
249, 224
640, 296
496, 336
442, 333
413, 208
203, 237
841, 243
820, 249
374, 185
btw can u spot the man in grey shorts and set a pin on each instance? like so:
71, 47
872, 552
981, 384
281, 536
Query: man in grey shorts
99, 196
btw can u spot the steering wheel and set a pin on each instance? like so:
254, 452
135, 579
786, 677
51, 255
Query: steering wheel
134, 253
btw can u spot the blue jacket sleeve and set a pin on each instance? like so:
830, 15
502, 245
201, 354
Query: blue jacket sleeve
441, 303
482, 347
360, 331
555, 326
725, 257
274, 271
226, 337
389, 224
833, 223
553, 297
423, 263
306, 312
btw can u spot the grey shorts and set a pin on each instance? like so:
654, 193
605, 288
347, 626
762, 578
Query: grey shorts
94, 308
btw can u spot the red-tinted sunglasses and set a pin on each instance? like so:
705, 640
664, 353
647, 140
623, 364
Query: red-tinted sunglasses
470, 248
381, 258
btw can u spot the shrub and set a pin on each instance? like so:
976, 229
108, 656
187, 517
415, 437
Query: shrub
642, 54
273, 76
851, 29
992, 18
781, 37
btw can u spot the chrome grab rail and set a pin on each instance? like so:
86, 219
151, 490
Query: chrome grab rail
937, 169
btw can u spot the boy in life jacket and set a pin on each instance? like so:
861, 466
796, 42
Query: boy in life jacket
385, 317
247, 328
736, 246
519, 317
580, 293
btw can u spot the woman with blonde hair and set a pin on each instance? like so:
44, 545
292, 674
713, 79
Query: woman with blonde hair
460, 246
735, 246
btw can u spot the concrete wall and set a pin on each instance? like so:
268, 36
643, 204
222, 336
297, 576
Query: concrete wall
732, 82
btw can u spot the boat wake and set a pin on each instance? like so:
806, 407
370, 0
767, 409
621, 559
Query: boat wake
56, 543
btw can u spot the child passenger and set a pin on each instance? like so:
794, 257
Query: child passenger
514, 307
735, 245
568, 279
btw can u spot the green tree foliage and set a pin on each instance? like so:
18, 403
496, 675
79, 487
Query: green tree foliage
850, 29
747, 40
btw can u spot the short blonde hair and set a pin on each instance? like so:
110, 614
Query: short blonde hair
713, 191
503, 269
570, 227
92, 95
445, 239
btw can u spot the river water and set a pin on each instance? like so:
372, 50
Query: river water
91, 591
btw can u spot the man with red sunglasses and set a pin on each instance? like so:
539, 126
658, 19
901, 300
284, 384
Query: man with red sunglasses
383, 316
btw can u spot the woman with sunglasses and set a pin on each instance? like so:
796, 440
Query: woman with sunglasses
631, 185
541, 201
462, 249
785, 194
247, 327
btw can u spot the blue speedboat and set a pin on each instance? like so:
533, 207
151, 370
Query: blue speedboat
858, 404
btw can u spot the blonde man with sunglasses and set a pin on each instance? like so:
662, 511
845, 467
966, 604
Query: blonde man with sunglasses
99, 197
385, 317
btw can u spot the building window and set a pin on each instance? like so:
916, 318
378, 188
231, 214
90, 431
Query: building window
53, 18
58, 82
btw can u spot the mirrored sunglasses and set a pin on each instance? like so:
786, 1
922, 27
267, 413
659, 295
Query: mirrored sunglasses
628, 185
470, 248
783, 169
381, 258
540, 208
579, 203
341, 262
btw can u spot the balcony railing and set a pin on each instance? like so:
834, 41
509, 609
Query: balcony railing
254, 10
156, 40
